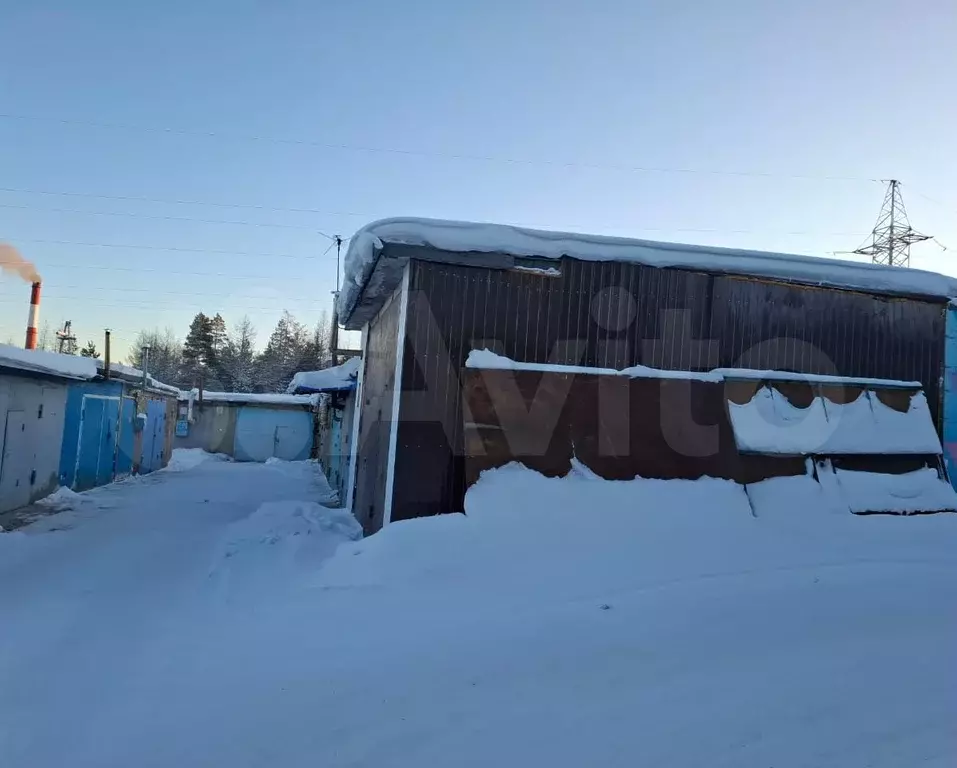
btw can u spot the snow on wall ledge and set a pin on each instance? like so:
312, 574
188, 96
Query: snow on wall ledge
462, 237
486, 359
770, 424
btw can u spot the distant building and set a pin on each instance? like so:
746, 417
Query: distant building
248, 427
337, 407
64, 423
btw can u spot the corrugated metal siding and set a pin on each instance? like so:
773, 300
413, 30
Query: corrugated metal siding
610, 314
950, 396
376, 416
32, 413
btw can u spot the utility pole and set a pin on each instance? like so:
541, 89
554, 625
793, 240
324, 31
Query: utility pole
334, 331
106, 354
893, 235
146, 364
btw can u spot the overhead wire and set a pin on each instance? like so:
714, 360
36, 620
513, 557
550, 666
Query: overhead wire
175, 201
136, 215
160, 130
171, 248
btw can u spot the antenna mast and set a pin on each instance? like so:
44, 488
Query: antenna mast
893, 235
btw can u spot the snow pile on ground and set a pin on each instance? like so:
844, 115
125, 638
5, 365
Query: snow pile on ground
279, 538
69, 366
188, 458
331, 379
214, 617
61, 498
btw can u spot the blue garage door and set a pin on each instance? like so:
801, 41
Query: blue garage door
154, 437
96, 450
124, 452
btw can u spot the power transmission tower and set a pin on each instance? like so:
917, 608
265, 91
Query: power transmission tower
66, 340
893, 235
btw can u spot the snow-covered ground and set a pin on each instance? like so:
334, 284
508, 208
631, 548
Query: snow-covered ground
220, 616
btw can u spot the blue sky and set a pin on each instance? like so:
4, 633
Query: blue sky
531, 113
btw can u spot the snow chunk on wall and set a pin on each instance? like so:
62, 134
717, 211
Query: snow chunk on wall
68, 366
770, 424
336, 378
920, 491
462, 237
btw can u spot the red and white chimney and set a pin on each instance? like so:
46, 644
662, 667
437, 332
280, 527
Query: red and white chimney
33, 321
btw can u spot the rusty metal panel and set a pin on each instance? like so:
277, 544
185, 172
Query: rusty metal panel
375, 417
608, 314
619, 427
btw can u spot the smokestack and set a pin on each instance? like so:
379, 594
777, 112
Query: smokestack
34, 319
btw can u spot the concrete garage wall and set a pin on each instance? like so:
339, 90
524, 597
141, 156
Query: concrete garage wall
264, 433
213, 429
32, 411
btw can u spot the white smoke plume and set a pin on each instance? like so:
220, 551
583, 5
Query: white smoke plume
12, 261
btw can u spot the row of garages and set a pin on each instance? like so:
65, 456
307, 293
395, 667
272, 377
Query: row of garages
66, 423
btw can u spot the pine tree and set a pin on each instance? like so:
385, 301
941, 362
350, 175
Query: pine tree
166, 357
282, 356
198, 349
45, 338
316, 351
238, 358
90, 351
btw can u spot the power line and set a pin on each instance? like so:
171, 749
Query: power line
154, 292
418, 153
931, 199
174, 201
333, 238
126, 214
177, 249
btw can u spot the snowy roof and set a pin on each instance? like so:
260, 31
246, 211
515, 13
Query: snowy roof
129, 373
249, 398
466, 240
336, 378
49, 363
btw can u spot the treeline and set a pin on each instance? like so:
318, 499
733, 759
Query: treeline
225, 358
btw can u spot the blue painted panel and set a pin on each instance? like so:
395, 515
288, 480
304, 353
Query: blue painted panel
91, 432
71, 423
124, 448
263, 433
153, 437
950, 396
106, 461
